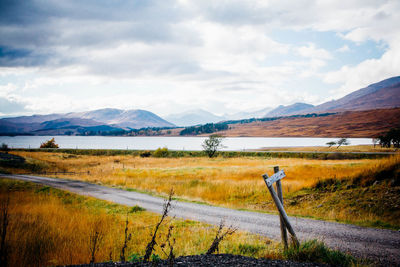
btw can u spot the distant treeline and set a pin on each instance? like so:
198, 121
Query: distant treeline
206, 128
221, 126
277, 118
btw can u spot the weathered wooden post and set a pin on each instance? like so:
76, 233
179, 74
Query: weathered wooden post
280, 195
269, 181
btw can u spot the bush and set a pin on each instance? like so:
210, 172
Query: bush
49, 144
145, 154
316, 251
136, 208
4, 147
161, 152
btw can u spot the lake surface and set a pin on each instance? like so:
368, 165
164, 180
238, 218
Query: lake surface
173, 143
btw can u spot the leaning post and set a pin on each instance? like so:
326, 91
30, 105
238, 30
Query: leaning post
280, 195
269, 181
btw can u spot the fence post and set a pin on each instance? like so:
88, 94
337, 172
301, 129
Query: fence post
280, 195
269, 182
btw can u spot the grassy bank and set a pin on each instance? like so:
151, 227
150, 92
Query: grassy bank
285, 153
327, 189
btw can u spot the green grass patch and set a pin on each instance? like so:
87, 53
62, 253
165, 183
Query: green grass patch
136, 208
316, 251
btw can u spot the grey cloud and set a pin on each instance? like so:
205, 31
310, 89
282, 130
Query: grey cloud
42, 29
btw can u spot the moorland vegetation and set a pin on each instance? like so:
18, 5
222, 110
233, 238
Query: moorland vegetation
359, 191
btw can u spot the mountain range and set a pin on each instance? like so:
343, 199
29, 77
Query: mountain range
200, 116
106, 120
381, 95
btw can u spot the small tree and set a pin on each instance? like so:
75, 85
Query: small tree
342, 142
212, 144
49, 144
331, 143
4, 148
375, 141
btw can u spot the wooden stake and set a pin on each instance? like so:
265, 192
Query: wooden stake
282, 212
280, 195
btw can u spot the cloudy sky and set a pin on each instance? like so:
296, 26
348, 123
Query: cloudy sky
170, 56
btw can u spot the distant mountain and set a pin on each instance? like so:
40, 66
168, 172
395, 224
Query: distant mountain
288, 110
384, 94
193, 117
134, 118
33, 118
98, 121
247, 115
67, 122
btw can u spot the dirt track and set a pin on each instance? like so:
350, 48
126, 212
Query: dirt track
376, 244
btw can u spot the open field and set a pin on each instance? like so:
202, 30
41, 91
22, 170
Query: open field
52, 227
370, 123
363, 192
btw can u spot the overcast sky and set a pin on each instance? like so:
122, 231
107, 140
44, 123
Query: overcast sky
170, 56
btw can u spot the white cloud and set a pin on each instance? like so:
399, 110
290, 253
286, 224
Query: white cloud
5, 90
344, 49
367, 72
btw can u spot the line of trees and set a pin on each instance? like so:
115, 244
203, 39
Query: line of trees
206, 128
392, 137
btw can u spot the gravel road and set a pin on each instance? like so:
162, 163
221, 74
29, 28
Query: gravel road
380, 245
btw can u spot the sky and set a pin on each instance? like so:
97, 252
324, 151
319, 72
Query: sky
171, 56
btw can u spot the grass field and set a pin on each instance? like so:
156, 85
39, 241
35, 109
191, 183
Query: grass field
362, 191
53, 227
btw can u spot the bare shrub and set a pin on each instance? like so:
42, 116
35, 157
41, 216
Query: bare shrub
170, 255
219, 237
127, 237
152, 243
95, 239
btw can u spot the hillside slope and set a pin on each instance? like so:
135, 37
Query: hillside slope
368, 123
295, 108
384, 94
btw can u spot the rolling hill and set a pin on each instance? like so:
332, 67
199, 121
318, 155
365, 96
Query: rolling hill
368, 123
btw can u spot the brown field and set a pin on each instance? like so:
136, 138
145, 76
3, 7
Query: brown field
370, 123
49, 227
237, 182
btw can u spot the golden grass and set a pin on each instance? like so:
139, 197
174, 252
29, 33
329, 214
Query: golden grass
233, 182
52, 227
230, 182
